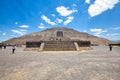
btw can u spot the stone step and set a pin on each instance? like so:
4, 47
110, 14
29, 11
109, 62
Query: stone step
59, 46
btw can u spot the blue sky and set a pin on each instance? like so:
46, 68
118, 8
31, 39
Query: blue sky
97, 17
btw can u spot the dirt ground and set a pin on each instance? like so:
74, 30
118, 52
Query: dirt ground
96, 64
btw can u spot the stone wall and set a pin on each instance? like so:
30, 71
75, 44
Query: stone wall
58, 45
33, 44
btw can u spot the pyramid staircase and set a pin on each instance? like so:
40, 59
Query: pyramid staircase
59, 46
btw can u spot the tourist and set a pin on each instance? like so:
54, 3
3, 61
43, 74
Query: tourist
13, 49
0, 46
4, 46
110, 46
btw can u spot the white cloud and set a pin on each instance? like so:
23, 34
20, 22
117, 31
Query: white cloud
23, 30
3, 34
69, 19
97, 32
116, 28
100, 6
41, 26
85, 31
47, 20
59, 20
20, 32
74, 5
12, 35
114, 34
53, 15
24, 26
16, 22
87, 1
63, 11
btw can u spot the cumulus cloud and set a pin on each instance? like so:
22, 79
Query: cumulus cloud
69, 19
20, 32
23, 30
97, 32
41, 26
85, 31
53, 15
47, 20
116, 28
12, 35
59, 20
87, 1
100, 6
24, 26
74, 5
16, 23
63, 11
3, 34
114, 34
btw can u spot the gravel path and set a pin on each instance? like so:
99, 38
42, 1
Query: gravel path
96, 64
